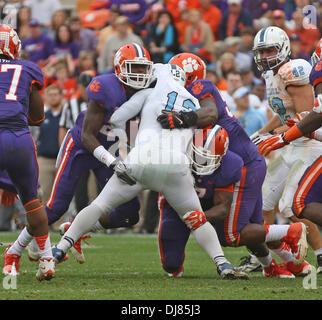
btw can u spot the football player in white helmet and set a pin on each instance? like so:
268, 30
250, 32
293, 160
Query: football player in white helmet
289, 92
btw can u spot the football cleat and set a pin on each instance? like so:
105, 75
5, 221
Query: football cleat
76, 249
33, 256
277, 271
177, 274
46, 269
58, 255
249, 264
227, 272
11, 263
319, 263
301, 270
296, 239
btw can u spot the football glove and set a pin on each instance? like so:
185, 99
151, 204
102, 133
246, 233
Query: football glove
8, 198
258, 138
122, 172
274, 142
172, 119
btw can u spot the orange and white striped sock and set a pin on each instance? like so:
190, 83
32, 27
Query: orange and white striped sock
275, 232
44, 246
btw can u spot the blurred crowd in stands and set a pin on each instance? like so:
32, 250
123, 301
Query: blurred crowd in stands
73, 41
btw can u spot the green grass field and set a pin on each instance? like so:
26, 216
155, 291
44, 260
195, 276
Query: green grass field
127, 267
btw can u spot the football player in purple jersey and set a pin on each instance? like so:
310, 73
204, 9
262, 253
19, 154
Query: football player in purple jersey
87, 146
21, 105
226, 194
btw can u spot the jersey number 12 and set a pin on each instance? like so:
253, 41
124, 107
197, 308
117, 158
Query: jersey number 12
172, 97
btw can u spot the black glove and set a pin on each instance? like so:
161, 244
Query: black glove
122, 172
172, 120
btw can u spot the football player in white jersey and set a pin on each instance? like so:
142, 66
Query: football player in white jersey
157, 162
289, 92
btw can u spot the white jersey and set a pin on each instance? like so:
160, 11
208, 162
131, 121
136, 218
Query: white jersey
167, 95
295, 72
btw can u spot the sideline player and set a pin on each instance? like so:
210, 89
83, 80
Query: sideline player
225, 195
289, 92
157, 162
105, 94
22, 105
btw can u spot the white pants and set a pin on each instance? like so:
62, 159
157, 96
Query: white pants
283, 175
174, 180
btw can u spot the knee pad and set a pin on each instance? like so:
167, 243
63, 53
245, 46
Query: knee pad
194, 219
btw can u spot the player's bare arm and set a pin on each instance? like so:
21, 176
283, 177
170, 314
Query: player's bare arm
93, 122
208, 113
222, 202
302, 97
36, 113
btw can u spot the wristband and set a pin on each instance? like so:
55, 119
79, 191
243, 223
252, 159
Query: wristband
292, 134
101, 154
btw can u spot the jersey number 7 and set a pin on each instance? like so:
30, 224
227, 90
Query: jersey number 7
11, 95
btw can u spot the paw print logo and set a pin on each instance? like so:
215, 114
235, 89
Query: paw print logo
197, 88
190, 65
95, 86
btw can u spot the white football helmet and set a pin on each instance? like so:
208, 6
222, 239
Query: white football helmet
267, 38
178, 74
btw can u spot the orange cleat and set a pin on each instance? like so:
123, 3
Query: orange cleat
301, 270
11, 263
276, 271
46, 270
296, 239
177, 274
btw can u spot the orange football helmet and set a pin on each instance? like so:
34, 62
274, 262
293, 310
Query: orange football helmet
207, 149
133, 66
10, 43
192, 65
317, 54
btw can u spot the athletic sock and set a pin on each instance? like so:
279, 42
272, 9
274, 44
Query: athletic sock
44, 246
206, 237
275, 232
284, 252
21, 243
265, 261
318, 251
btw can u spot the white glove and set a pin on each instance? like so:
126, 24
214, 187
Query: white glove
122, 172
257, 138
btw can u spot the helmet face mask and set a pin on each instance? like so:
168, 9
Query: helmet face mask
133, 66
207, 150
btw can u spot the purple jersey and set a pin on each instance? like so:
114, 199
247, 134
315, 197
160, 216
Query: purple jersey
227, 174
108, 92
316, 74
239, 141
16, 78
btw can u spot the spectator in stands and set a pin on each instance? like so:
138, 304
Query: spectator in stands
242, 60
58, 18
182, 25
86, 63
38, 46
248, 77
23, 19
278, 20
226, 64
235, 19
104, 34
259, 90
199, 38
250, 118
48, 146
163, 39
309, 34
296, 52
233, 82
86, 38
262, 8
219, 82
43, 10
65, 44
114, 42
176, 6
212, 15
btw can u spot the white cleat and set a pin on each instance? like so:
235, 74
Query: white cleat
46, 269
